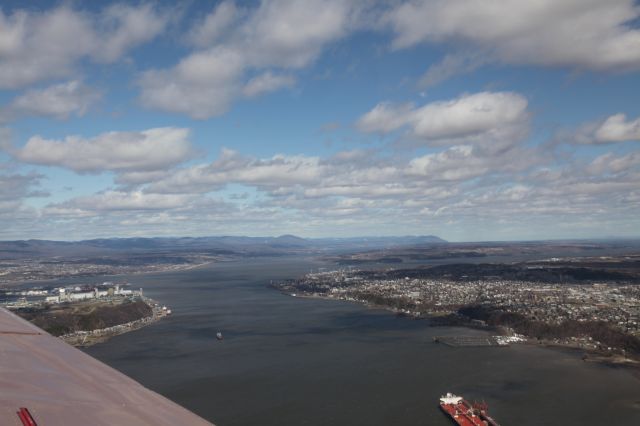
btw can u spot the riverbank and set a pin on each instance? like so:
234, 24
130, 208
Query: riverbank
85, 338
592, 355
90, 321
294, 359
36, 273
583, 353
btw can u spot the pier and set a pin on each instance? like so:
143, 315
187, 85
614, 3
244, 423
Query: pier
457, 341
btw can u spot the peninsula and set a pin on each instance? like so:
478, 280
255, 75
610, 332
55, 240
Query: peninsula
85, 315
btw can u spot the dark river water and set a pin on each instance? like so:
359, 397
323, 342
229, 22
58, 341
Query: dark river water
293, 361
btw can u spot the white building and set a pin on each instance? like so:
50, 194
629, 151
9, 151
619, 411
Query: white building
81, 295
100, 293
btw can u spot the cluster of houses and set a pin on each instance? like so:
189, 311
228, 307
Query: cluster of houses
618, 304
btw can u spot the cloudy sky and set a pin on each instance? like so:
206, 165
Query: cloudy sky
471, 120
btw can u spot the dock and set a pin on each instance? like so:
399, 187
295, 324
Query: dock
467, 341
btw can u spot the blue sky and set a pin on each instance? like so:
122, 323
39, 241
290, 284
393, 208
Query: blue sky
469, 120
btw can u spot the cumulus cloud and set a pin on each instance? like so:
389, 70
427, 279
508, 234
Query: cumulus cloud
363, 191
123, 27
123, 200
456, 163
153, 149
18, 186
202, 85
611, 163
451, 65
618, 129
355, 174
36, 46
473, 160
14, 189
613, 129
292, 33
58, 101
214, 25
466, 162
468, 115
354, 156
484, 152
232, 167
481, 114
267, 82
386, 117
140, 177
133, 213
275, 35
585, 34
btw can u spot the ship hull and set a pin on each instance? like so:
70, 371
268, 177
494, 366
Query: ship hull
462, 415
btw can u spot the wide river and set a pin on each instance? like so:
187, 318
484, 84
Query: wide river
293, 361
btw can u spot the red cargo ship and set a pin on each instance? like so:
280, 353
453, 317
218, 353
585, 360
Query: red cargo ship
464, 413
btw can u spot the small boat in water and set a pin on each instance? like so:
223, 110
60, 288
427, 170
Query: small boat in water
219, 336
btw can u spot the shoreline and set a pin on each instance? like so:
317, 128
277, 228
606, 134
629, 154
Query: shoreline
83, 339
589, 355
9, 284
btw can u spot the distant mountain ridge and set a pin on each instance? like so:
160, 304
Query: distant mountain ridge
230, 244
401, 240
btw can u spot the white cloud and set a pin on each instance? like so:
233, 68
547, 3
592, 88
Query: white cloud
469, 115
202, 85
587, 34
386, 117
41, 46
275, 35
36, 46
292, 33
140, 177
354, 156
304, 182
498, 114
15, 188
476, 162
231, 167
58, 101
153, 149
280, 170
122, 200
450, 65
353, 191
455, 163
214, 25
611, 163
354, 174
613, 129
267, 82
18, 186
463, 185
124, 27
617, 129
